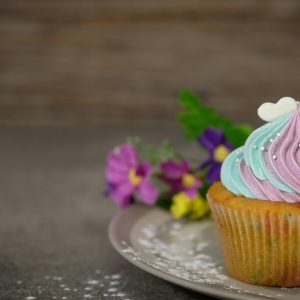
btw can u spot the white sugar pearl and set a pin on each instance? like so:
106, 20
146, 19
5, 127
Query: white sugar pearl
274, 156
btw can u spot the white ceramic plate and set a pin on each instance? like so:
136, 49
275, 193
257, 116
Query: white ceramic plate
185, 253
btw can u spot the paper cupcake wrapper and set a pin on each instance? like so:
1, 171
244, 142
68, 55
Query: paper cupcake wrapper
260, 247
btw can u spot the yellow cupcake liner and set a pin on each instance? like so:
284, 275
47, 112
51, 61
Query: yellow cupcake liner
260, 247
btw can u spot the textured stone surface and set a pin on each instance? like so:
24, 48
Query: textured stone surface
54, 218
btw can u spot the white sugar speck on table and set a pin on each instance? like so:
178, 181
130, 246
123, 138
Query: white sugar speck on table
93, 282
58, 278
100, 285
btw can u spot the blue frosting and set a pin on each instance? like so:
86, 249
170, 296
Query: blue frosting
253, 150
231, 176
252, 153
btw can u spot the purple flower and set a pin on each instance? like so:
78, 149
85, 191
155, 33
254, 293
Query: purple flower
218, 147
180, 178
126, 175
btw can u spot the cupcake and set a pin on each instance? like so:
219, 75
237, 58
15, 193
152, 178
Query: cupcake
256, 206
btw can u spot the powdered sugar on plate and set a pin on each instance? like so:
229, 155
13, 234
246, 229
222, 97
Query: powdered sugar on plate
190, 251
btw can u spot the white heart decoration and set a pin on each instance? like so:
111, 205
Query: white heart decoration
272, 111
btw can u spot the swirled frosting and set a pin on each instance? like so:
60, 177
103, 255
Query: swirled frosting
267, 167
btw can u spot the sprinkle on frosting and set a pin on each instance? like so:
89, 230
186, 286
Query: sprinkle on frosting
273, 173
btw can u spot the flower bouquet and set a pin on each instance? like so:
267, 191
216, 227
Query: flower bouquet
159, 175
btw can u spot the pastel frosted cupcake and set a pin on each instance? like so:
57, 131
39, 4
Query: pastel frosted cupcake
256, 205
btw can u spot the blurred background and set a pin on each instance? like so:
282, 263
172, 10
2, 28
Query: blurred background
79, 76
87, 62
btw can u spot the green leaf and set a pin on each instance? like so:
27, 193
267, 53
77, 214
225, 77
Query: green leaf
189, 100
238, 135
197, 117
164, 203
155, 154
204, 189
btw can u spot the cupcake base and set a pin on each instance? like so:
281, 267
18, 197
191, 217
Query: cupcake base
260, 239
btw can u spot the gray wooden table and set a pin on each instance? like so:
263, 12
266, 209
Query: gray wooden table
54, 218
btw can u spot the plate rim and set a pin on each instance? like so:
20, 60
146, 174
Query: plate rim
203, 288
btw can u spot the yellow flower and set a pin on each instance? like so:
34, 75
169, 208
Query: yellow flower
188, 180
134, 179
181, 205
199, 208
220, 153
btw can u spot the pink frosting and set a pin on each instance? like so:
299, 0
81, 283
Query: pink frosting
268, 166
286, 147
263, 189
